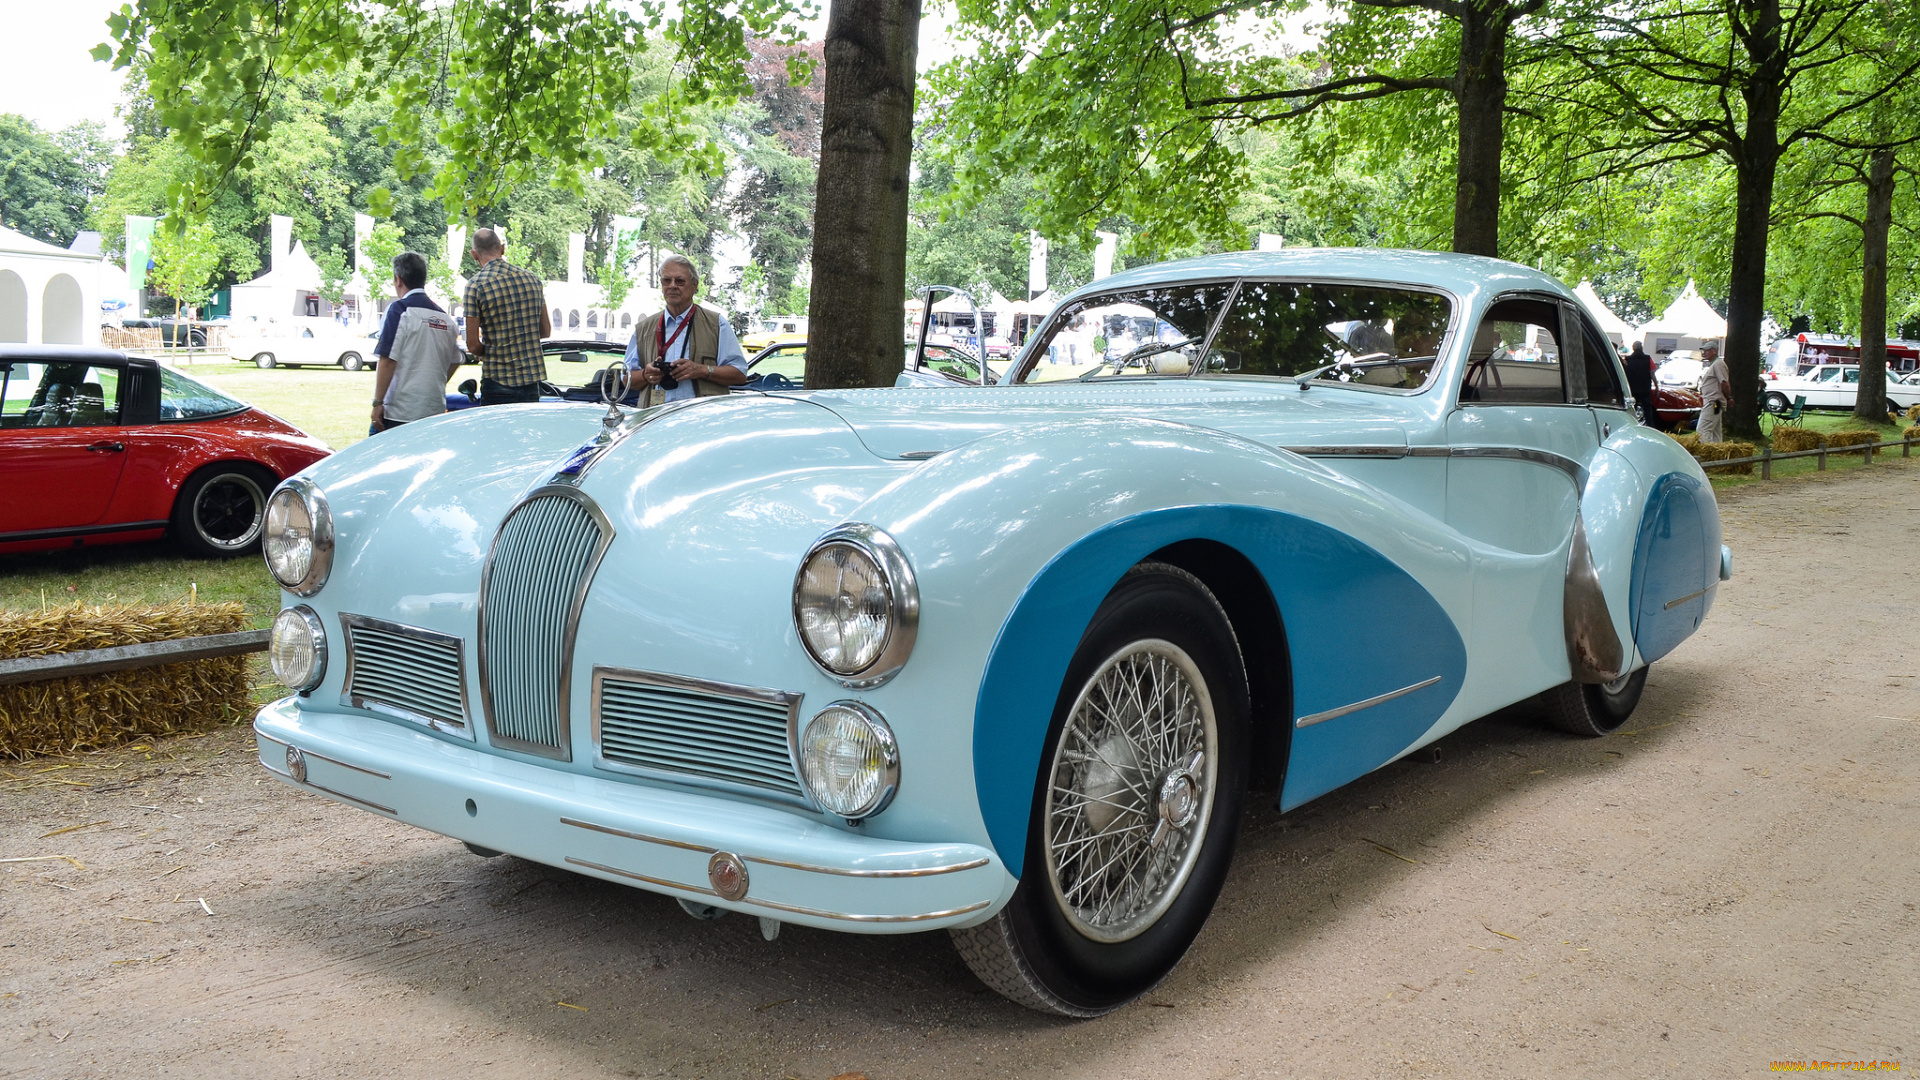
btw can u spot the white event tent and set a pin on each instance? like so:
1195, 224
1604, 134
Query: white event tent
48, 295
1688, 323
1612, 325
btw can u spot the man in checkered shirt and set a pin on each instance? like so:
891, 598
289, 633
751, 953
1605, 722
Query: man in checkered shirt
506, 318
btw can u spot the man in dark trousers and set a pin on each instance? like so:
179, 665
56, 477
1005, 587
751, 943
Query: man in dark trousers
506, 318
1640, 380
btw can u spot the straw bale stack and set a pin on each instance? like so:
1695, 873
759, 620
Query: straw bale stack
1708, 452
86, 712
1912, 414
1839, 440
1792, 438
1912, 432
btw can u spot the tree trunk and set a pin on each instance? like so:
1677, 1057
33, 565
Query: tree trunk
1480, 94
855, 320
1871, 402
1756, 159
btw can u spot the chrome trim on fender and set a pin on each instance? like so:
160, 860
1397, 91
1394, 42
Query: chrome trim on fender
354, 799
323, 757
901, 587
819, 913
449, 725
929, 871
569, 630
1335, 714
1671, 604
1574, 470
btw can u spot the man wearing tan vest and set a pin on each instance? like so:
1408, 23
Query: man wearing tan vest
685, 351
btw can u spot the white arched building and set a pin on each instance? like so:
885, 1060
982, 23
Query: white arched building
48, 295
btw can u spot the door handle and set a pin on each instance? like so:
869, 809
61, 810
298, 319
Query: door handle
107, 447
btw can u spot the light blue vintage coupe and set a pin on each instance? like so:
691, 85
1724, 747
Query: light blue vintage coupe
1004, 661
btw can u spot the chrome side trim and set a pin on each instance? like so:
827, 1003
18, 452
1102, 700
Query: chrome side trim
1594, 652
929, 871
847, 917
449, 725
787, 698
569, 632
1671, 604
354, 799
316, 754
818, 913
1335, 714
701, 889
1574, 470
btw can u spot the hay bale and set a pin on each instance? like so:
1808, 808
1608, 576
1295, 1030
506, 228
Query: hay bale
87, 712
1792, 438
1839, 440
1708, 452
1912, 414
1912, 432
1687, 440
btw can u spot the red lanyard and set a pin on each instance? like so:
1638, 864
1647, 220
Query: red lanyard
662, 341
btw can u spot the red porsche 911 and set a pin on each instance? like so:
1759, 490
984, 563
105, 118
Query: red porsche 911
97, 447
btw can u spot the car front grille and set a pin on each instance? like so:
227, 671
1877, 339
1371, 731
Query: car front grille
418, 674
694, 731
539, 569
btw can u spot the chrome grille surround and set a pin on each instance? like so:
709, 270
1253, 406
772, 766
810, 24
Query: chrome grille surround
538, 572
699, 733
407, 673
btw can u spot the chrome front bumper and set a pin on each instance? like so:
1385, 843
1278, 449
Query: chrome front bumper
657, 839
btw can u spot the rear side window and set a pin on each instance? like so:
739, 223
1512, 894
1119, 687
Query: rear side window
58, 394
1515, 356
1603, 385
182, 398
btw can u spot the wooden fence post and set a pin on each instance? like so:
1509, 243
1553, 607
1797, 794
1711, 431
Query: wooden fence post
1766, 463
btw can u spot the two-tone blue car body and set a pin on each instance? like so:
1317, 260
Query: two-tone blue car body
998, 660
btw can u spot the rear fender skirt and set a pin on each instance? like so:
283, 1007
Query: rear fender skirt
1375, 659
1676, 564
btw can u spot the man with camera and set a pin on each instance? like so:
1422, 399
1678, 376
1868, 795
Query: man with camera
685, 351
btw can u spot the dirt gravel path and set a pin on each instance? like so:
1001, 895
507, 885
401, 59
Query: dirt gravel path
1729, 883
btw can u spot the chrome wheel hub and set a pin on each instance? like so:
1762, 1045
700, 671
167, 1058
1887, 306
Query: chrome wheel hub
1131, 790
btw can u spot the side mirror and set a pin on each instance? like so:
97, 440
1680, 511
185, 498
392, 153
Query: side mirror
470, 388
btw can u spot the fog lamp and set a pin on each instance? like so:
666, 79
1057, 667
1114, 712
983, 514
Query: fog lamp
850, 761
298, 648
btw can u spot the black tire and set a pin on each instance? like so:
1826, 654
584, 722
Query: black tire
1777, 403
1589, 709
1041, 951
352, 361
222, 510
264, 361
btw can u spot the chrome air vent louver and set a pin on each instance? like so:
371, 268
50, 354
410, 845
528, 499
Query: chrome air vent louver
406, 672
536, 579
696, 732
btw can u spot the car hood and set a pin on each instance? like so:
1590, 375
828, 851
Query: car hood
920, 423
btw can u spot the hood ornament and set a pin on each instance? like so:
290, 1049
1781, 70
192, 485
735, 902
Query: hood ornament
612, 382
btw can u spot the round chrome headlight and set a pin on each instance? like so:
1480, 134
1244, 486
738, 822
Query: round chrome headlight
298, 648
849, 760
856, 606
298, 543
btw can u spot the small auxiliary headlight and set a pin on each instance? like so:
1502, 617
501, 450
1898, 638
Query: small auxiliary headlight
850, 761
298, 542
298, 648
856, 606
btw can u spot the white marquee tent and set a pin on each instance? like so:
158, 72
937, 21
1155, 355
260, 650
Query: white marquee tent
1688, 323
48, 295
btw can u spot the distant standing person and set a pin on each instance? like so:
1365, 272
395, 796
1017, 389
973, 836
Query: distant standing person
506, 318
687, 345
1640, 379
1713, 394
417, 351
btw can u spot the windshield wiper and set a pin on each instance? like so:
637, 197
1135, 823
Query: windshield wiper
1140, 352
1353, 364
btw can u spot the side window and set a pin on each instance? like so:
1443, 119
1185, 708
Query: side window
59, 395
1603, 381
1341, 333
1853, 375
1515, 356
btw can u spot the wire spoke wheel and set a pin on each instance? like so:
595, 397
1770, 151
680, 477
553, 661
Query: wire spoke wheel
1131, 790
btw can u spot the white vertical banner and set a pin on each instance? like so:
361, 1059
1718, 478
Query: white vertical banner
362, 236
576, 258
280, 228
1104, 253
1036, 264
1271, 242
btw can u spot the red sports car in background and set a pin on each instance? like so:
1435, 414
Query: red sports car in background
1673, 408
97, 447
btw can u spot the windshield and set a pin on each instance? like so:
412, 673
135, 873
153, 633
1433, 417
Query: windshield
182, 398
1151, 331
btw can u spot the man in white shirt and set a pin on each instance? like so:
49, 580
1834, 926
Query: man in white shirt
687, 346
1713, 394
417, 352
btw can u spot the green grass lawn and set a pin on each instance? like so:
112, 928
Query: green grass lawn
1827, 421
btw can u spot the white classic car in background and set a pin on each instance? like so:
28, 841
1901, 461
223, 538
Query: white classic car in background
1006, 661
1834, 386
270, 344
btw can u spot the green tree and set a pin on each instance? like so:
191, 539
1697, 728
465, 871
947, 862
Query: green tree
616, 281
183, 263
47, 181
